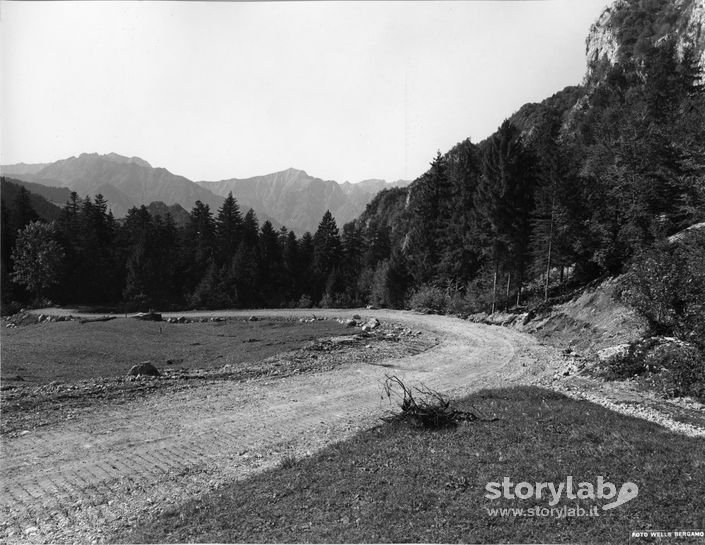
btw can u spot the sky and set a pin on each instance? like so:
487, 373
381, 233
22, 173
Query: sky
214, 90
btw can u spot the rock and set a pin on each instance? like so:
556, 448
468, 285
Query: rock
253, 319
341, 340
350, 323
144, 369
373, 323
612, 352
357, 317
149, 316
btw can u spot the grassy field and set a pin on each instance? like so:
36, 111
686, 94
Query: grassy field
397, 483
69, 351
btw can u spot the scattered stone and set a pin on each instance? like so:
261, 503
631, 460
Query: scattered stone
612, 352
144, 369
149, 316
342, 340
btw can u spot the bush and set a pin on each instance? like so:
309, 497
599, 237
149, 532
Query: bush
666, 285
430, 298
682, 369
630, 363
673, 368
8, 309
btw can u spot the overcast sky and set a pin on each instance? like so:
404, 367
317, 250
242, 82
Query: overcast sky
343, 90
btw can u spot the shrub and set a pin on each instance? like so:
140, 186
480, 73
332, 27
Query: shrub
288, 461
8, 309
666, 285
628, 364
671, 367
682, 369
430, 298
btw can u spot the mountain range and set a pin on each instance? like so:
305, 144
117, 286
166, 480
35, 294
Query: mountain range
299, 200
291, 197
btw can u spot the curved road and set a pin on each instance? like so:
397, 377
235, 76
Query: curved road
86, 479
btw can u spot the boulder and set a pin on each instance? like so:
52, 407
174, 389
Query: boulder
608, 354
149, 316
350, 323
144, 368
253, 319
372, 323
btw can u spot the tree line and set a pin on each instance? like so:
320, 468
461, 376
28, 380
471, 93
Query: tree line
563, 192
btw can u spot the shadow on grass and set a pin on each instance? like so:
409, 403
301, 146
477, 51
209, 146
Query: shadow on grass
395, 483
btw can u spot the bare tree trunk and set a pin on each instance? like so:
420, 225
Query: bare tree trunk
506, 298
548, 260
494, 288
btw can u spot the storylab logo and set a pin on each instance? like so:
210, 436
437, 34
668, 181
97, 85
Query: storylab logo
553, 493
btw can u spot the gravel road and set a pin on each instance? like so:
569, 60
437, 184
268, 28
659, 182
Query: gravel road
89, 479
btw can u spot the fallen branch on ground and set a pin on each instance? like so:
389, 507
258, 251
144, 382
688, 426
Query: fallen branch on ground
424, 407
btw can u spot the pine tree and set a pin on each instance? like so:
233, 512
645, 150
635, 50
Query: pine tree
270, 266
326, 253
431, 209
199, 245
504, 202
228, 228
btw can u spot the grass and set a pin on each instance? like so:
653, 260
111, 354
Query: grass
69, 351
397, 483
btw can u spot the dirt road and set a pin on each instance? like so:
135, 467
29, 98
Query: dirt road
89, 479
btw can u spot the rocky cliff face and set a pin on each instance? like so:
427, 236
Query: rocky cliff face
602, 42
624, 25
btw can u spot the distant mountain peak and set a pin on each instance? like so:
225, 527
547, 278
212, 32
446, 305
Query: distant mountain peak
117, 158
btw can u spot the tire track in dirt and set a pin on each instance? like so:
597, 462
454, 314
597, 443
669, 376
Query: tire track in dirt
85, 480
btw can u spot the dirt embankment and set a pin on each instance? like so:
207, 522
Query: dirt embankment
590, 326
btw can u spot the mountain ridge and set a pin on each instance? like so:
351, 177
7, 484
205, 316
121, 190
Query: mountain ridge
298, 199
289, 197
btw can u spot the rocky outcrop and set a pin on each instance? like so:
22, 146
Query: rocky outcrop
682, 20
602, 42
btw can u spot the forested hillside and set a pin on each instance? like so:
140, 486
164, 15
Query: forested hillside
565, 191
